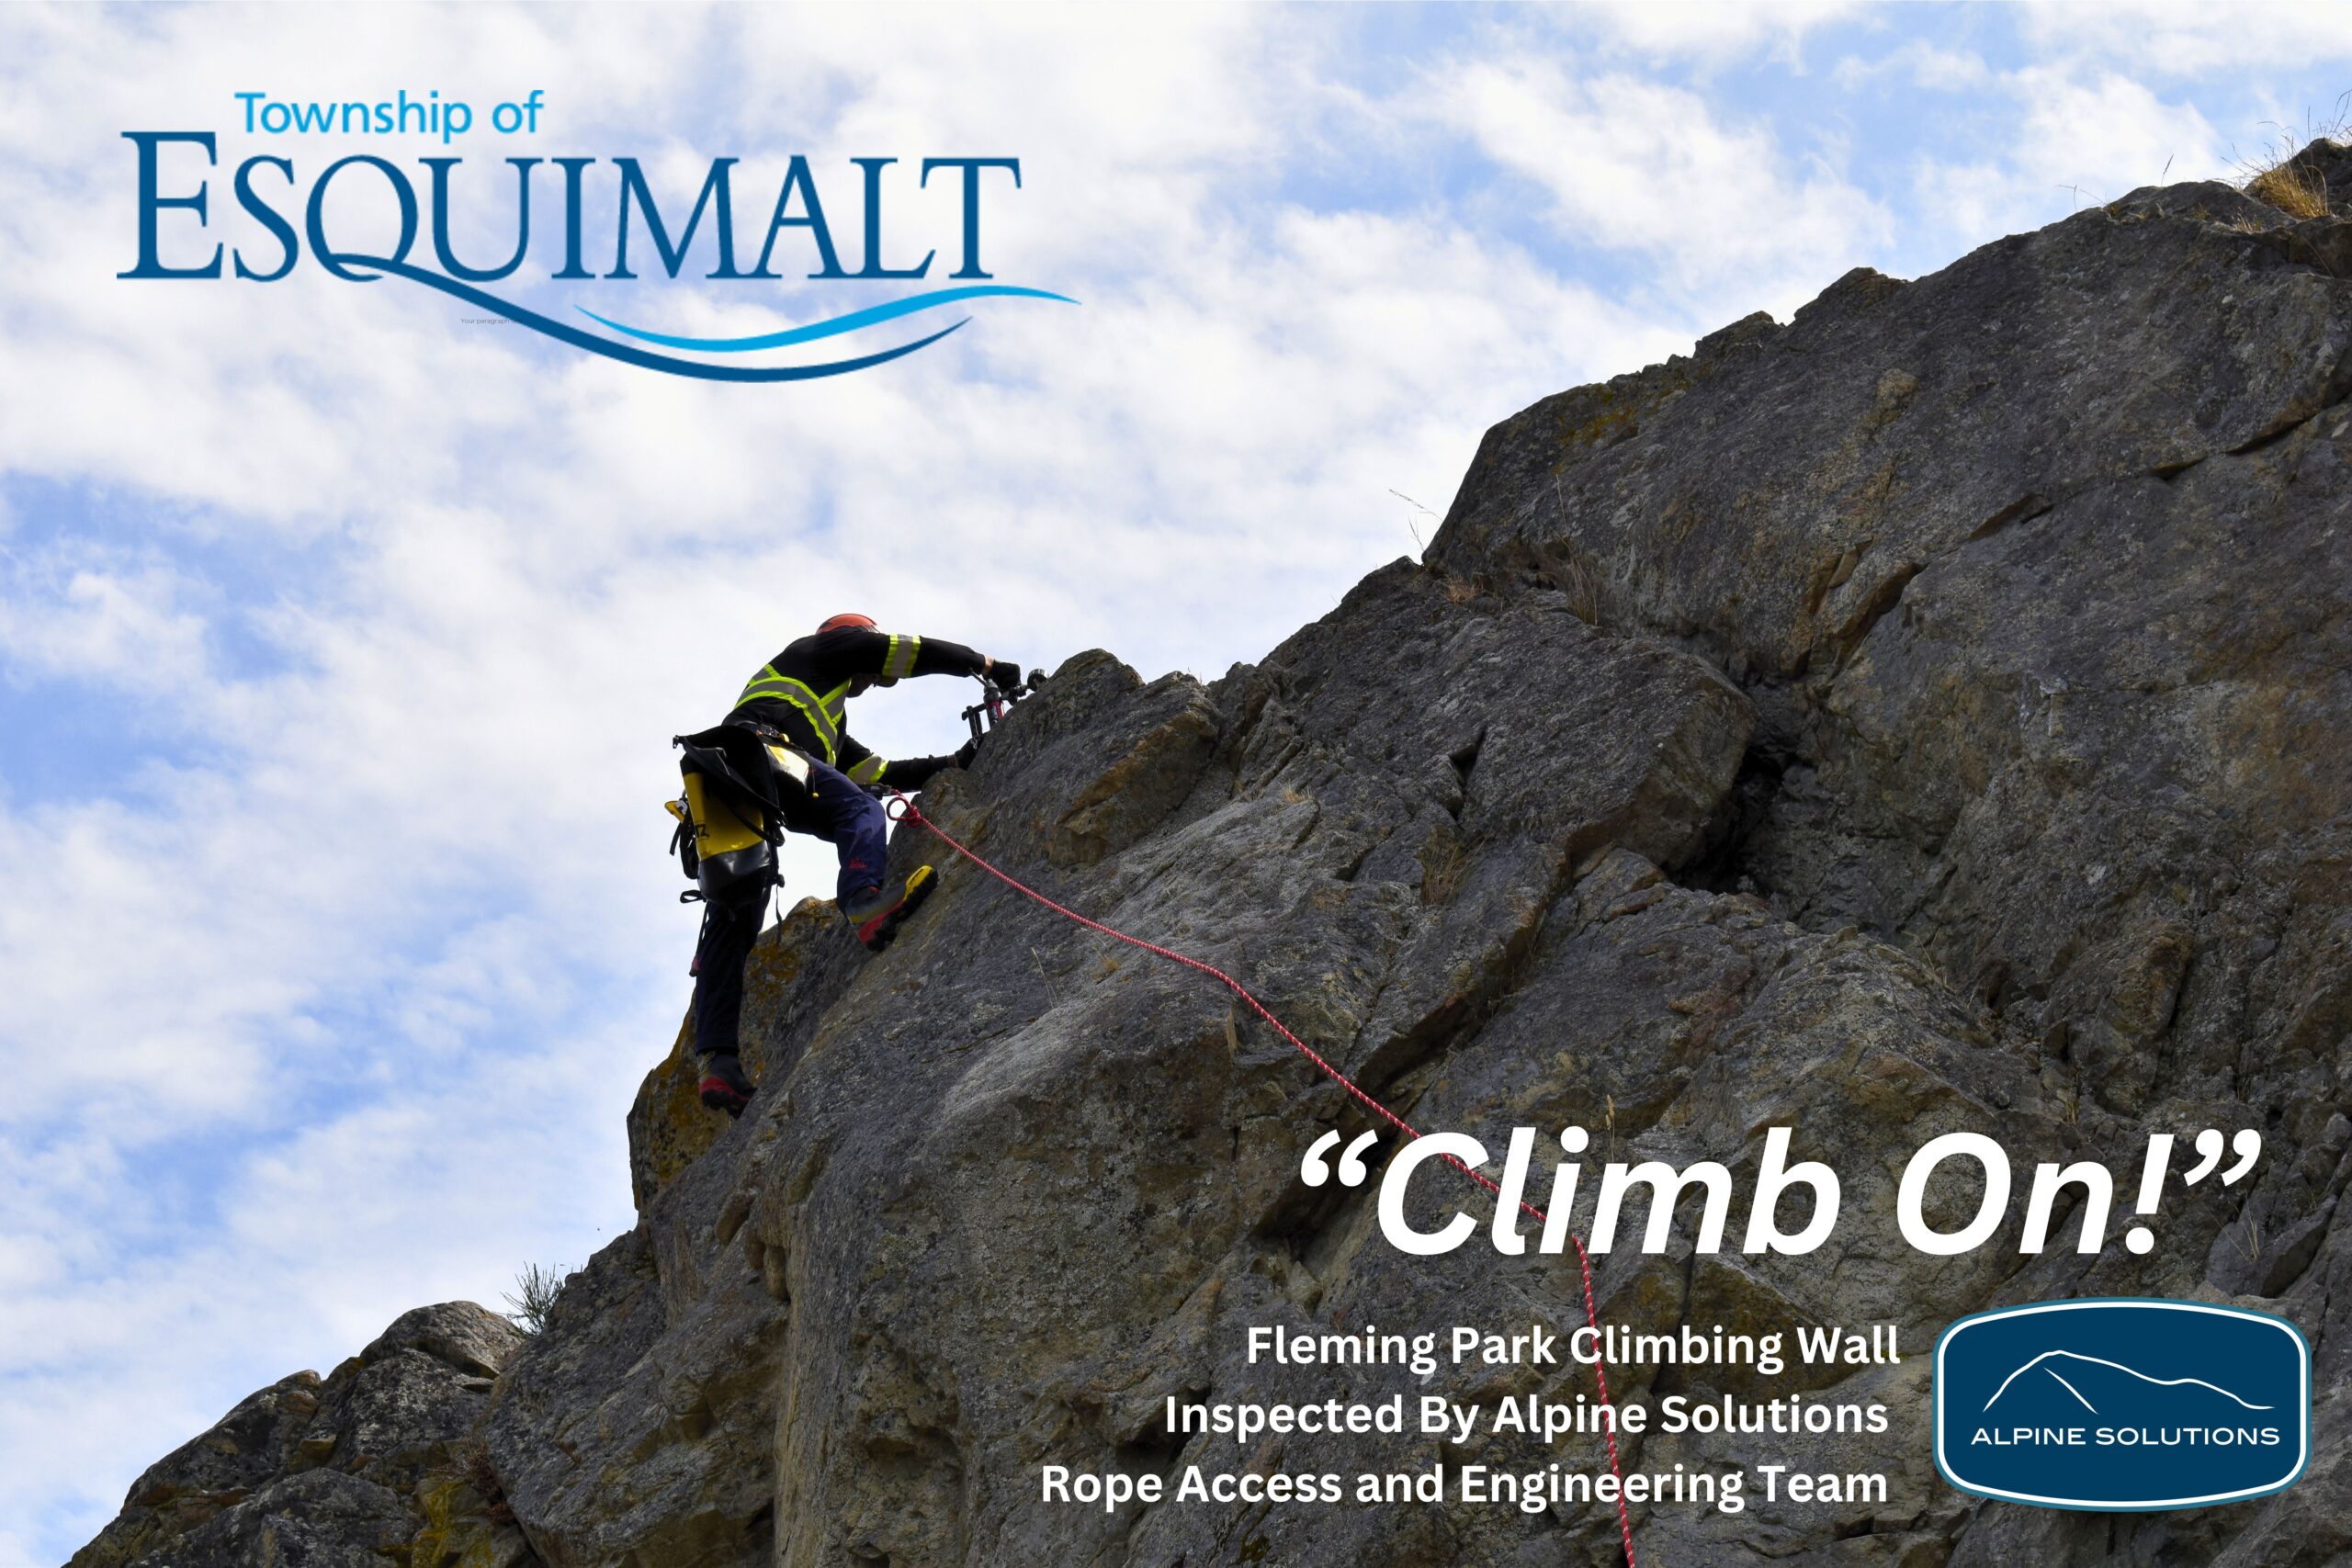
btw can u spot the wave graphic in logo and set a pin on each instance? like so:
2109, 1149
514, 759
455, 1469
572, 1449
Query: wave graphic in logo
852, 321
629, 354
2124, 1404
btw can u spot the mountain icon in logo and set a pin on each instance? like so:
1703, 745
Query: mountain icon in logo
2122, 1405
2115, 1383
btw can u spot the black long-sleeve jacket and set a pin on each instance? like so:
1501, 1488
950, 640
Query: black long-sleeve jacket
803, 691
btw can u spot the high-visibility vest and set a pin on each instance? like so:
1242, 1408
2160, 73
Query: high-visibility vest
824, 713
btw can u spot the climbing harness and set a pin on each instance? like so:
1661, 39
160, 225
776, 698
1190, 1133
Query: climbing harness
902, 809
739, 787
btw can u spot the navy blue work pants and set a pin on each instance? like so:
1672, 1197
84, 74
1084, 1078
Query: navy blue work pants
854, 822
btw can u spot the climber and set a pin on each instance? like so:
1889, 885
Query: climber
797, 698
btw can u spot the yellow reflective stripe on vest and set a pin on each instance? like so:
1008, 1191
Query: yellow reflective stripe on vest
868, 772
899, 663
766, 677
824, 714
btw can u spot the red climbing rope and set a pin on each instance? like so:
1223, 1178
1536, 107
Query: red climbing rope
903, 809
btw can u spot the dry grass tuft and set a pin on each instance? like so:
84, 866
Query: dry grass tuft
1575, 580
2277, 177
2293, 189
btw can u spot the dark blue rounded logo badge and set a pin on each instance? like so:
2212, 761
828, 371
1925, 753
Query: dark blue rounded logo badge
2128, 1404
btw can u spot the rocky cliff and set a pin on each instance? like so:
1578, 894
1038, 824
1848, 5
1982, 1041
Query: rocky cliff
1932, 714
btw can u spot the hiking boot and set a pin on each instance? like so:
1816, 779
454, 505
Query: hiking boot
724, 1086
878, 918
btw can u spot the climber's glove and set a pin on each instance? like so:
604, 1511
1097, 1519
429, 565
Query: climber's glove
1004, 674
967, 751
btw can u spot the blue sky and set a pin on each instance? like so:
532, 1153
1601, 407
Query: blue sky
341, 640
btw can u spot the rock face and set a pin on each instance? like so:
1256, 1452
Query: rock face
375, 1463
1931, 715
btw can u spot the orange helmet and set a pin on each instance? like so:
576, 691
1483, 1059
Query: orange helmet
847, 618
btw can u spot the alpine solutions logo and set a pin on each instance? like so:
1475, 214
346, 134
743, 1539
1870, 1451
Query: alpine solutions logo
2122, 1405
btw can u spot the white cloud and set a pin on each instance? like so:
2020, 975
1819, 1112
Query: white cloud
2184, 38
1718, 206
2108, 134
1715, 31
2081, 137
422, 1197
94, 618
1920, 62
